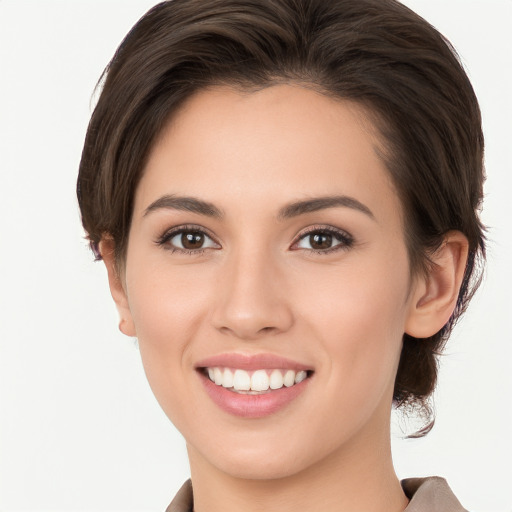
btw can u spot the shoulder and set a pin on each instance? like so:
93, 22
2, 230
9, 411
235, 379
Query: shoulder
432, 493
183, 501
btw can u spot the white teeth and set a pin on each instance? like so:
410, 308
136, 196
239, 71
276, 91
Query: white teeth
276, 380
289, 378
217, 375
228, 378
259, 381
241, 381
300, 376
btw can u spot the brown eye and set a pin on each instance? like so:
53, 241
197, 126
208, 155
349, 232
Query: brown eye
320, 241
187, 241
192, 240
324, 240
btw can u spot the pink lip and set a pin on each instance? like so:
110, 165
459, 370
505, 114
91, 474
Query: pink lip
250, 362
245, 405
252, 406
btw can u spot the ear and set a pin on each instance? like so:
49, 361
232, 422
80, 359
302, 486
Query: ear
117, 289
434, 295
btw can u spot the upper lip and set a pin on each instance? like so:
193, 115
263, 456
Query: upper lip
251, 362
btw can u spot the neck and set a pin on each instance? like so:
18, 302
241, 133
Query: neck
359, 476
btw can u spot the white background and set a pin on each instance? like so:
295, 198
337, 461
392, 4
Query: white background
79, 427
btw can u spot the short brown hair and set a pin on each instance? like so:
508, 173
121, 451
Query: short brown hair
375, 52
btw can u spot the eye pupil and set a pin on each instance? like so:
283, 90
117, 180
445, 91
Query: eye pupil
320, 240
192, 240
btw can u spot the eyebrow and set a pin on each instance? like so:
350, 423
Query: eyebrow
195, 205
322, 203
188, 204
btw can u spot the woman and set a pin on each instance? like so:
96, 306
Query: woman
285, 196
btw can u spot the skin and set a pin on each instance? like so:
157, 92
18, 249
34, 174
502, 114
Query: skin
258, 286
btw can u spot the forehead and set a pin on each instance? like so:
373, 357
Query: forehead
267, 147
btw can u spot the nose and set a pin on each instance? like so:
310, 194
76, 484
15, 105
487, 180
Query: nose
252, 300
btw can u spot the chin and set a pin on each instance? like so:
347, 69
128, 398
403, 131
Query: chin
262, 462
260, 469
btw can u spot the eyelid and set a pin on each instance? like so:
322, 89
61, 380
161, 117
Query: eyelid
170, 233
346, 239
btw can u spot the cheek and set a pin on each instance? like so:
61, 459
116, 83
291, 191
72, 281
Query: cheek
359, 315
165, 299
167, 307
366, 294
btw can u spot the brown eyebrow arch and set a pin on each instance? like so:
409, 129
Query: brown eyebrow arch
189, 204
321, 203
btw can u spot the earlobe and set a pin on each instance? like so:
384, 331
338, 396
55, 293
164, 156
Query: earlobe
435, 294
117, 290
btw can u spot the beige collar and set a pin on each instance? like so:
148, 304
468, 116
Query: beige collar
426, 495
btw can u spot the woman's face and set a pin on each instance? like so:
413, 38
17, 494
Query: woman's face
267, 245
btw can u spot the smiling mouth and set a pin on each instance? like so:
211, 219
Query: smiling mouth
254, 382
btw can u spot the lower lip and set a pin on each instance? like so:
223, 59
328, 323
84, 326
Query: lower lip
252, 406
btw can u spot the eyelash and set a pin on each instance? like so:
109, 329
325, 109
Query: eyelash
345, 239
165, 238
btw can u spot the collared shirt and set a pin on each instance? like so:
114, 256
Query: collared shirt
430, 494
